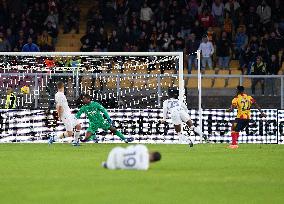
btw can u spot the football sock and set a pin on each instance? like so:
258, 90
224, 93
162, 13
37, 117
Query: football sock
120, 135
235, 136
181, 137
76, 136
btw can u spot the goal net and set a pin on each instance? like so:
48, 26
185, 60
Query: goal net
132, 86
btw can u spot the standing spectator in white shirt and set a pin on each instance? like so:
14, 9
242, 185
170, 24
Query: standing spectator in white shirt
207, 51
146, 13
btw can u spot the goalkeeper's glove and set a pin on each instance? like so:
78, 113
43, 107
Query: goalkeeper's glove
109, 120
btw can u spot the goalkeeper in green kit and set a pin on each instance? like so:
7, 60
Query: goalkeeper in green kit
93, 112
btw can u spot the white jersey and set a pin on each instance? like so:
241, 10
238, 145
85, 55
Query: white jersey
61, 100
131, 157
173, 105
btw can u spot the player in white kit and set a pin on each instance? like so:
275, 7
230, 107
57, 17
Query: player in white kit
135, 157
179, 114
65, 115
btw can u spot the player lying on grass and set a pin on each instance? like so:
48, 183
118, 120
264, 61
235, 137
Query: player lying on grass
94, 111
65, 115
243, 103
132, 157
179, 114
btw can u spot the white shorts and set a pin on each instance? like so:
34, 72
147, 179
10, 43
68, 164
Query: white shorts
179, 116
70, 122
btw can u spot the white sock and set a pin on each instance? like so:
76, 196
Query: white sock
76, 136
181, 137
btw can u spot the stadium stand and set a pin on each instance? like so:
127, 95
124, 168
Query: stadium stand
120, 25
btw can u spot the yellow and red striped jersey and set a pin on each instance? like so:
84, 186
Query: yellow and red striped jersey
243, 103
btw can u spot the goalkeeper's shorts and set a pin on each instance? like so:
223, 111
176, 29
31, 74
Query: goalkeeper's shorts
93, 127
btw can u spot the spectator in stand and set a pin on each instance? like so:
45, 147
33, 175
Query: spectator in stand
30, 46
37, 16
241, 42
4, 44
193, 8
277, 10
252, 21
11, 38
272, 69
146, 13
53, 19
207, 51
198, 30
178, 43
101, 38
88, 41
45, 42
190, 49
32, 34
71, 19
53, 32
273, 44
165, 42
264, 13
114, 43
206, 19
185, 22
218, 12
223, 51
228, 25
253, 50
258, 68
19, 45
232, 7
142, 42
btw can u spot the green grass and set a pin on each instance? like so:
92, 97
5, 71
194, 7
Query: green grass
38, 173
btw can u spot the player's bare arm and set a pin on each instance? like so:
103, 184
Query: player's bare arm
59, 110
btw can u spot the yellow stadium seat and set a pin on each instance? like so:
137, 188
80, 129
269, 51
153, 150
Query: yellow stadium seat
125, 82
219, 83
111, 82
139, 83
98, 83
176, 82
155, 71
166, 82
142, 70
233, 82
192, 83
128, 70
171, 71
234, 64
246, 82
210, 72
152, 82
236, 72
86, 82
194, 71
206, 83
224, 71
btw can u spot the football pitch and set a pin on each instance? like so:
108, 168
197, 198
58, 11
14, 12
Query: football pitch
207, 173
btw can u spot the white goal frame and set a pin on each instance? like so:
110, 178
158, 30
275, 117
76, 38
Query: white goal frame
180, 63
